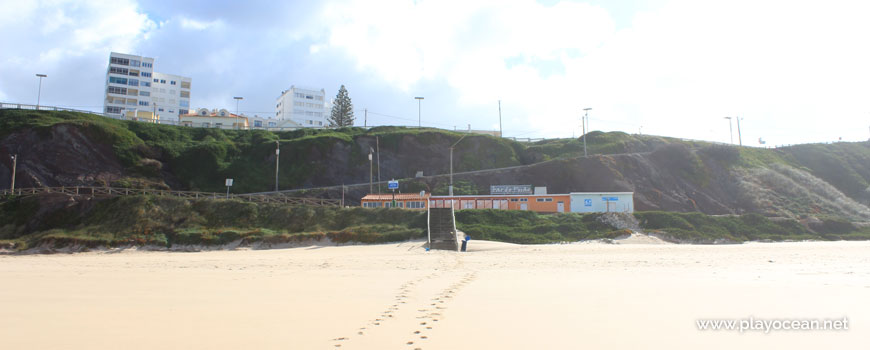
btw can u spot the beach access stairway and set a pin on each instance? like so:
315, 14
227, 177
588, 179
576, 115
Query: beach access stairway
442, 229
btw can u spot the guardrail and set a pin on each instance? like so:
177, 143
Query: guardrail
112, 191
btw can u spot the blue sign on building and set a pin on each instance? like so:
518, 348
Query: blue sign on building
610, 199
587, 202
392, 185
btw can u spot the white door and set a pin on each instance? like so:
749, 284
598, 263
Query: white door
524, 206
560, 207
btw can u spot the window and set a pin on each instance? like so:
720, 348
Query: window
147, 65
121, 61
156, 80
398, 205
513, 199
144, 93
273, 124
205, 125
320, 123
415, 205
258, 123
146, 74
218, 125
116, 70
299, 95
131, 102
524, 199
145, 83
172, 82
371, 204
171, 111
133, 82
143, 103
117, 90
133, 74
185, 94
183, 111
544, 199
185, 85
163, 81
134, 63
122, 81
469, 204
113, 110
160, 109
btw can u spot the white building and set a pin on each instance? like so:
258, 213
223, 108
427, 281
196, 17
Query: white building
306, 107
128, 83
258, 122
602, 202
170, 95
132, 87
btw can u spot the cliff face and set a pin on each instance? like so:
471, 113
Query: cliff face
69, 149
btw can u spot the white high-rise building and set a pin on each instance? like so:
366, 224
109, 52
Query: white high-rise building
128, 83
134, 89
170, 95
306, 107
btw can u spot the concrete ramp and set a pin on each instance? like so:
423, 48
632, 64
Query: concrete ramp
442, 229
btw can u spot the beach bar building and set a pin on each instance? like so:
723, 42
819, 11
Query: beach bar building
403, 200
543, 203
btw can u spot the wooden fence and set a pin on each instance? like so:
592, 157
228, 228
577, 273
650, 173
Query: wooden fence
112, 191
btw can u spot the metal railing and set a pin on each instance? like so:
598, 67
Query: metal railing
113, 191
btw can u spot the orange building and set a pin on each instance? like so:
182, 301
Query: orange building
403, 200
542, 203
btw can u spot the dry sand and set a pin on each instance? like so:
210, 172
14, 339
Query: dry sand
397, 296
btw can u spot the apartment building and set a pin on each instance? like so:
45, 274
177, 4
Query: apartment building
170, 95
128, 83
303, 106
133, 88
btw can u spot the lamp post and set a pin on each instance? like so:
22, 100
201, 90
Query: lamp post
277, 157
585, 125
237, 98
739, 134
450, 188
419, 109
371, 171
730, 129
14, 166
39, 92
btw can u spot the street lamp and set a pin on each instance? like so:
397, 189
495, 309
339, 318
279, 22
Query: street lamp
739, 134
450, 188
585, 125
14, 165
371, 170
237, 98
419, 104
730, 129
277, 156
39, 92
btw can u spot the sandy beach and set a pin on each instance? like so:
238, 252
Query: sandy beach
638, 294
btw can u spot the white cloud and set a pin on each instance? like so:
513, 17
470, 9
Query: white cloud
188, 23
677, 70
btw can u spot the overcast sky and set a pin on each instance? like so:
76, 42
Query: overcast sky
796, 71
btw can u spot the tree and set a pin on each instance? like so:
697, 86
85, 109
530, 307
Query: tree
342, 109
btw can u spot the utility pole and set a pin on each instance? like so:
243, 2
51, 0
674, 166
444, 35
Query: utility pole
739, 134
39, 92
371, 172
500, 131
237, 98
14, 166
730, 129
365, 118
378, 154
419, 109
450, 188
277, 157
585, 123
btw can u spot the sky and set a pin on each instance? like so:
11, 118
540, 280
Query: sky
795, 71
